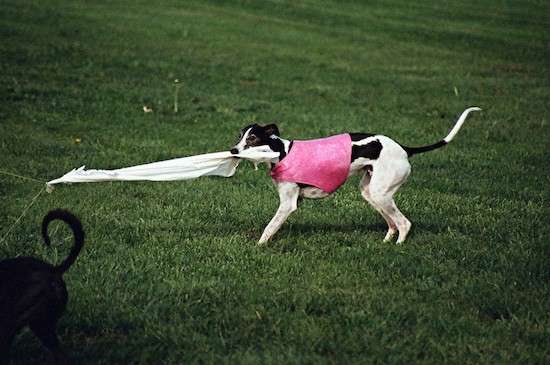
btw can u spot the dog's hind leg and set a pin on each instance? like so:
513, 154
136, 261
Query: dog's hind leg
46, 334
6, 339
384, 183
288, 195
365, 193
402, 223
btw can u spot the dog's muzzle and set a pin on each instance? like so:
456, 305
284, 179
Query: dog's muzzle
234, 151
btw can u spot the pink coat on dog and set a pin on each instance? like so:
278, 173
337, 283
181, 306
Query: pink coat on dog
323, 163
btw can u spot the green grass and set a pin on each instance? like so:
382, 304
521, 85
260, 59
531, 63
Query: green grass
171, 273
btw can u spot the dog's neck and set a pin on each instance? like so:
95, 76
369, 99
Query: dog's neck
278, 144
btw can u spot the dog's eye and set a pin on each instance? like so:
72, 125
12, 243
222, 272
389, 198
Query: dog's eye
251, 137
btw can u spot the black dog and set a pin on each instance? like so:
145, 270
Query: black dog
32, 292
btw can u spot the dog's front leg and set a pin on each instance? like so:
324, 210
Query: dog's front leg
288, 194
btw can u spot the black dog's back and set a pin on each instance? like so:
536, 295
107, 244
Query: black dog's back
32, 292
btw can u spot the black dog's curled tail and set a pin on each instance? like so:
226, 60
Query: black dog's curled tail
73, 222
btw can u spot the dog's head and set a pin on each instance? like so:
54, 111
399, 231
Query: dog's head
255, 135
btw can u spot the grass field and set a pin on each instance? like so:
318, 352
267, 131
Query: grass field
171, 273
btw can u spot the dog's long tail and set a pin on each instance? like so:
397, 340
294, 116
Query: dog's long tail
416, 150
78, 232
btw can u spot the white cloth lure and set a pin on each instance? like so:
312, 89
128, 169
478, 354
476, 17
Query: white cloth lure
192, 167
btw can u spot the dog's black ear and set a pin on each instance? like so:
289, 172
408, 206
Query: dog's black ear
271, 129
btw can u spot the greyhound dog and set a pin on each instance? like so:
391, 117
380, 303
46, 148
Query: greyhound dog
32, 292
314, 169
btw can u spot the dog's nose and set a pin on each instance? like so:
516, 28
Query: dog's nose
234, 151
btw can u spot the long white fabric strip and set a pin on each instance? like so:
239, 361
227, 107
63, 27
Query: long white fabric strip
192, 167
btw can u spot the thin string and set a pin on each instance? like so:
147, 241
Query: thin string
28, 206
22, 177
22, 214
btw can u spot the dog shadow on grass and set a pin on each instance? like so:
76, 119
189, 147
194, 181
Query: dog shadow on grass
335, 233
346, 232
352, 233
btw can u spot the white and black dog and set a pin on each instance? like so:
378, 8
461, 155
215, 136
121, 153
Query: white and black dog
384, 162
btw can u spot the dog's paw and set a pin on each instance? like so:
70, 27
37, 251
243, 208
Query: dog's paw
389, 236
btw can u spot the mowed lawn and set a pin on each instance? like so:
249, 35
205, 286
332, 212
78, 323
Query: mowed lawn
171, 273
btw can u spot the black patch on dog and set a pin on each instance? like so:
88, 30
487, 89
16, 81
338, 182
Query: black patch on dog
278, 146
370, 150
355, 137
